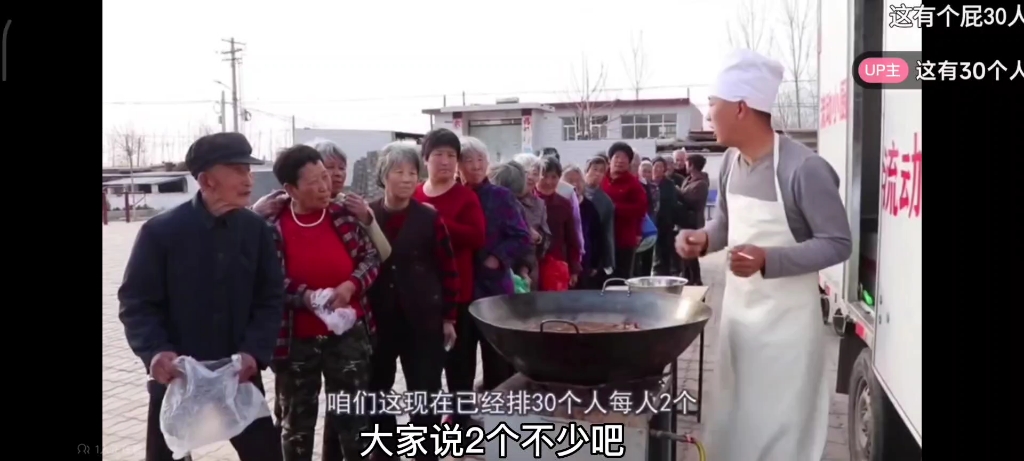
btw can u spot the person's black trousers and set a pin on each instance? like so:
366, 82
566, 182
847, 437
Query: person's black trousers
261, 441
422, 354
665, 256
644, 263
691, 271
460, 365
624, 259
586, 281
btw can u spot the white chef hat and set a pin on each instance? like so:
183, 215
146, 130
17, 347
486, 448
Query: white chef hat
749, 77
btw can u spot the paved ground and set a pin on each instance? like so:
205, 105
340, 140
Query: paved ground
125, 399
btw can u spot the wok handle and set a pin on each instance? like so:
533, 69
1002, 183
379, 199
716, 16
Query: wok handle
604, 286
541, 327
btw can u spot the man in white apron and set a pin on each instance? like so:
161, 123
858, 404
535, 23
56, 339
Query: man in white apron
780, 216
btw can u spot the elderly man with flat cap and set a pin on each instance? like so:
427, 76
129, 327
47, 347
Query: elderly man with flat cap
204, 280
781, 220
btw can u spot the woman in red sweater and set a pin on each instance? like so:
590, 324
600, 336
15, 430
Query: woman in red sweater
322, 246
630, 200
461, 212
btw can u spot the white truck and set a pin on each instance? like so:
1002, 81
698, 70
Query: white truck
873, 140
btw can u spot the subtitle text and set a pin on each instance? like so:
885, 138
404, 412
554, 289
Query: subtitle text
536, 438
503, 403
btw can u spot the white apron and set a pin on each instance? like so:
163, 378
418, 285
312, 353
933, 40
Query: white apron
772, 398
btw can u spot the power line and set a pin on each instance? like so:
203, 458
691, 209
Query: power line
422, 96
158, 103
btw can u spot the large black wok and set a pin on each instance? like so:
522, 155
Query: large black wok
668, 324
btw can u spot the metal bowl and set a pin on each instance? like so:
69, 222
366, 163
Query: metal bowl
660, 284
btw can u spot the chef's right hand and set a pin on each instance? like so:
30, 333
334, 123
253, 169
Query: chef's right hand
162, 368
690, 244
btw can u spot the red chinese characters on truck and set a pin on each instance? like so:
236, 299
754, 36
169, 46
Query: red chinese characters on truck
833, 107
901, 190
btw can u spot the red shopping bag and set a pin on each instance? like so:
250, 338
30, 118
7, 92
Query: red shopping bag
554, 274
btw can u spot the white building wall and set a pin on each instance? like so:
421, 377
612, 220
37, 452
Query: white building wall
355, 143
547, 129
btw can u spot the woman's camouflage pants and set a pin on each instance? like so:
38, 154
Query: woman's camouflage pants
344, 363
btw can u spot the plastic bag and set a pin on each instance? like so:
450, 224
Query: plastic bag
554, 274
520, 284
337, 320
207, 404
648, 234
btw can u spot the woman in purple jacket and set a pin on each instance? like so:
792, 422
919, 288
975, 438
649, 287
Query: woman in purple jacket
592, 230
506, 241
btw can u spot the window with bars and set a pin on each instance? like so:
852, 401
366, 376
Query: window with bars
573, 130
651, 126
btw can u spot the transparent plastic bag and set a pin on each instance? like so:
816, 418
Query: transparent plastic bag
337, 320
207, 404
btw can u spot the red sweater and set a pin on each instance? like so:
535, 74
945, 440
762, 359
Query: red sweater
461, 212
630, 201
315, 257
565, 246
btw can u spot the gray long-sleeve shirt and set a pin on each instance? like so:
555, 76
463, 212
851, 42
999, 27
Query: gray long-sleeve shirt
810, 193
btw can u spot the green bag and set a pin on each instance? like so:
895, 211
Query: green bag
520, 284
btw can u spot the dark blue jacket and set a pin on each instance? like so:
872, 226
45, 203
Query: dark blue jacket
203, 286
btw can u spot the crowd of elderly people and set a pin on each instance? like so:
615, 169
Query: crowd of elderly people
408, 264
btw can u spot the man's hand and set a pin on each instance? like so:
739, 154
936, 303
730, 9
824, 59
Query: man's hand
343, 295
746, 260
270, 205
449, 335
162, 368
573, 279
307, 299
357, 206
249, 368
535, 236
691, 243
525, 275
492, 263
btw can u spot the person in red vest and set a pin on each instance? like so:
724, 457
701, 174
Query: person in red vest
630, 200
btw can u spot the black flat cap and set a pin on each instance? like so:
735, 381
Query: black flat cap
219, 149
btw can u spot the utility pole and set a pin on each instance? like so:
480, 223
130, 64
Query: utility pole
223, 113
463, 98
234, 59
293, 129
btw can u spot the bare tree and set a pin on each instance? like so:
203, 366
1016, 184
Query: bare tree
798, 59
636, 67
586, 91
128, 146
202, 129
748, 29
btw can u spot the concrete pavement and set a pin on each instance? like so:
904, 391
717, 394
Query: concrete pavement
125, 400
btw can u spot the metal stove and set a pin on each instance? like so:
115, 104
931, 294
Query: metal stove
637, 423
